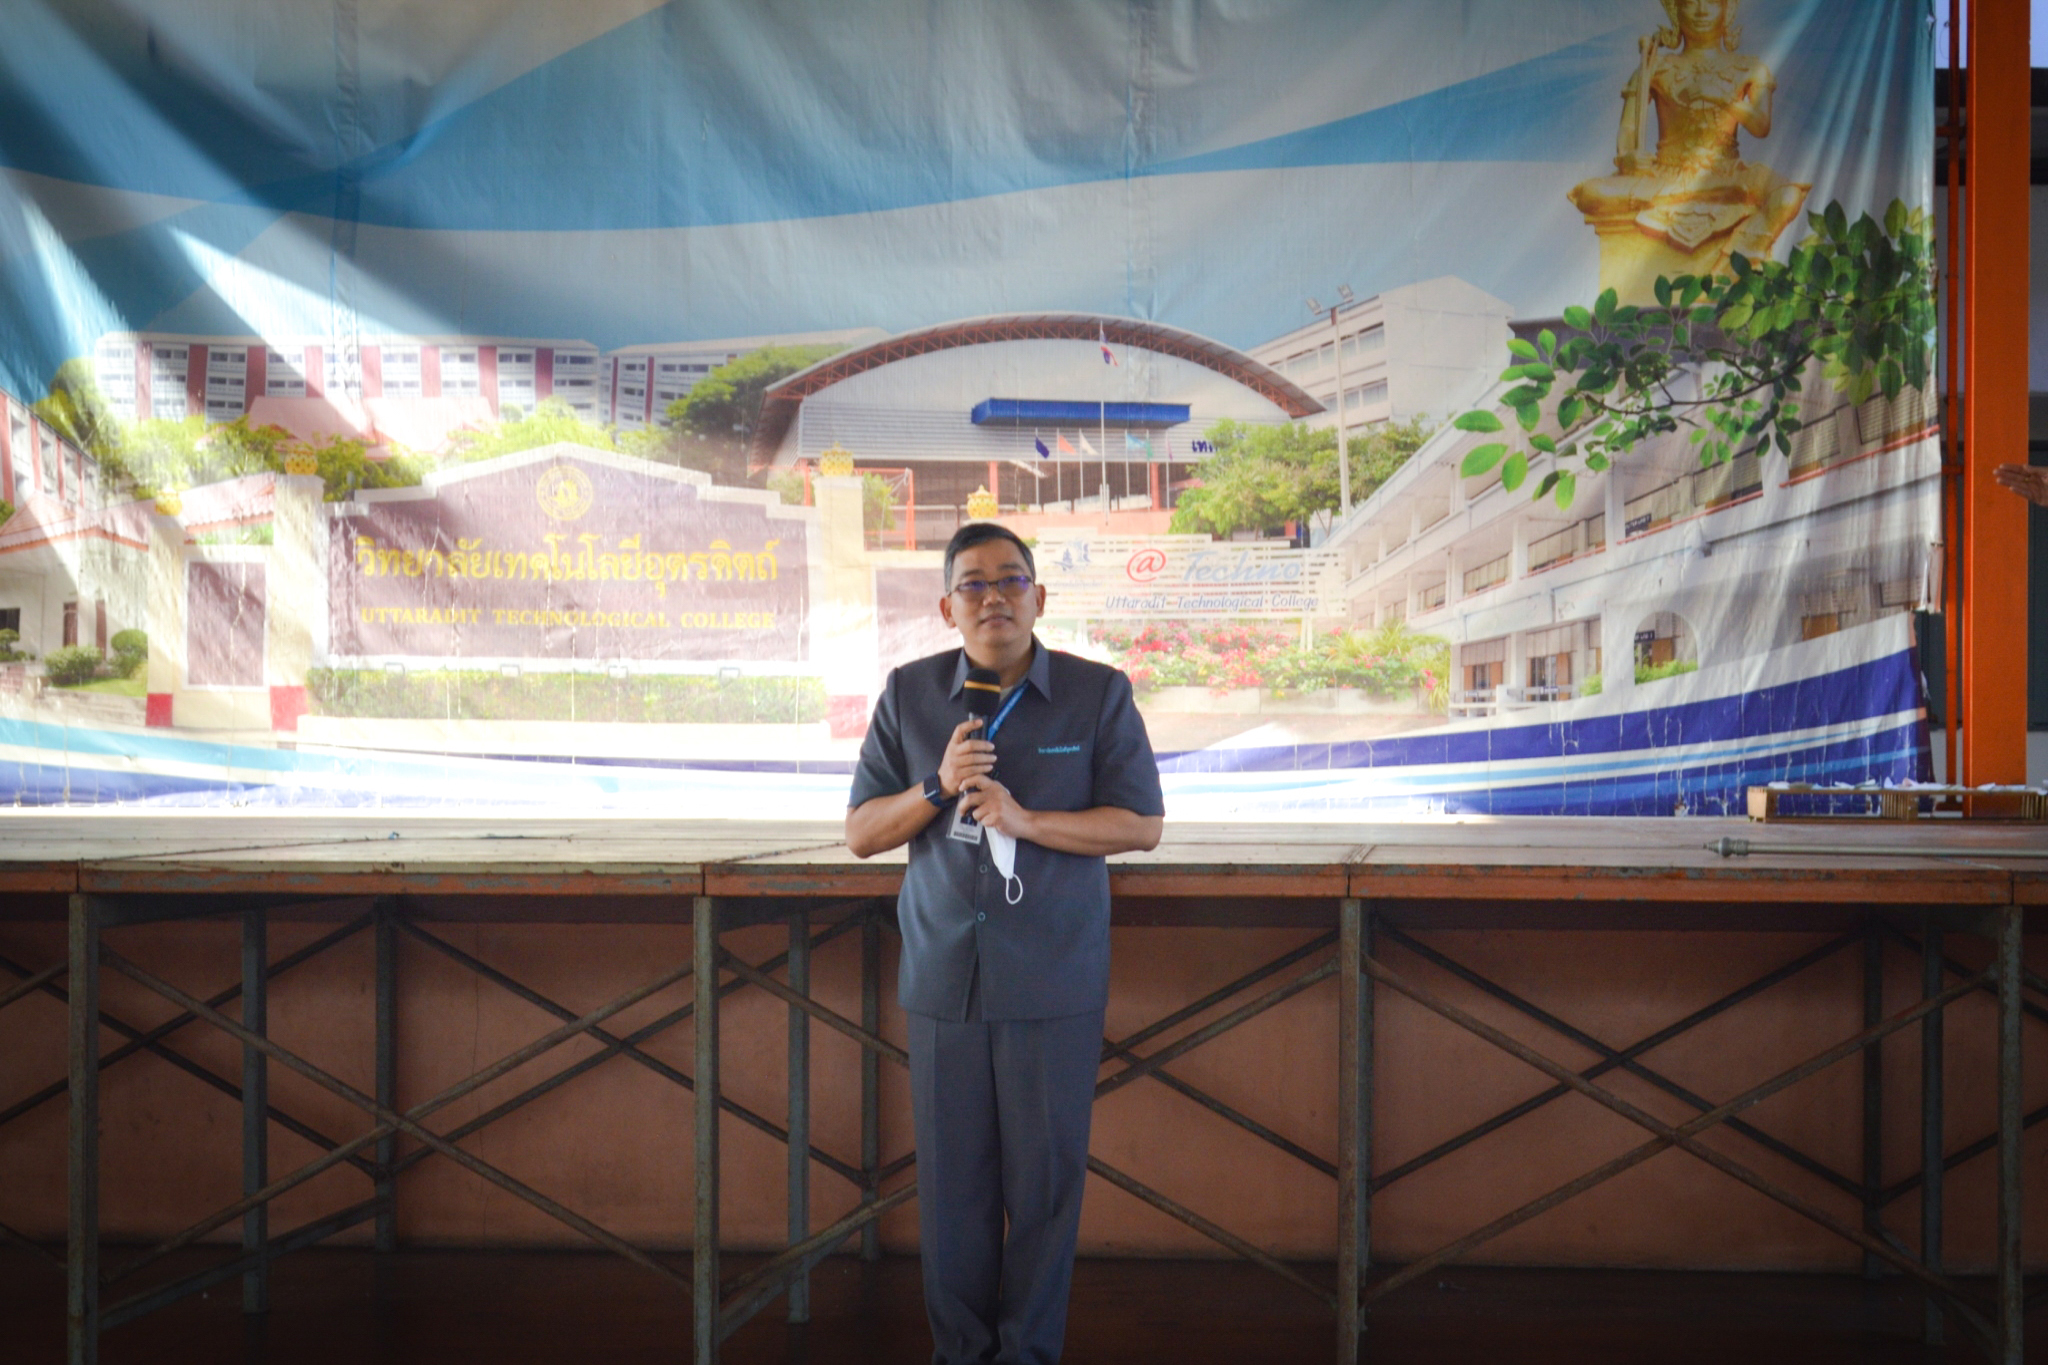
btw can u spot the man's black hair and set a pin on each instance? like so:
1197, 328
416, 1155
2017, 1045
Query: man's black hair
980, 533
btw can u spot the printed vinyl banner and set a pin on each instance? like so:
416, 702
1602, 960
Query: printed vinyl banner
1519, 406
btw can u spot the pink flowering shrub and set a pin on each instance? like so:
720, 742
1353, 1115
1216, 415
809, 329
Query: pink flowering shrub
1389, 662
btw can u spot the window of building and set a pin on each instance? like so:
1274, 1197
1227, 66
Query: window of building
283, 375
24, 459
1480, 577
48, 451
401, 371
70, 635
1365, 342
341, 371
1365, 396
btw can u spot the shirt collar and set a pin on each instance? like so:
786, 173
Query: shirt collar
1039, 675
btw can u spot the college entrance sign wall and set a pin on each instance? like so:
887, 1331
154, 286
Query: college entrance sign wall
1135, 578
567, 553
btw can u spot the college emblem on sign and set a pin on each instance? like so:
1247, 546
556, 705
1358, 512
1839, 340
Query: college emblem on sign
564, 492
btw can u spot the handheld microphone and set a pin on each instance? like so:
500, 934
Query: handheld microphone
984, 691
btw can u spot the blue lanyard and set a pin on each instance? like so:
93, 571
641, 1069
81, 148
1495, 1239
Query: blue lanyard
1004, 713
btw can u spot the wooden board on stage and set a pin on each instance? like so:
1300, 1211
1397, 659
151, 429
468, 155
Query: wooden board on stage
1498, 870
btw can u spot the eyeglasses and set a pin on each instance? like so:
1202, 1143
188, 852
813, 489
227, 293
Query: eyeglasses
974, 589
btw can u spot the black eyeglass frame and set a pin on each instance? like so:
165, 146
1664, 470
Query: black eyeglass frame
1012, 586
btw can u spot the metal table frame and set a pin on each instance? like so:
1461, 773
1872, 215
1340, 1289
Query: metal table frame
820, 905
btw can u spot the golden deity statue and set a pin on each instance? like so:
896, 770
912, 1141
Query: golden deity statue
1686, 207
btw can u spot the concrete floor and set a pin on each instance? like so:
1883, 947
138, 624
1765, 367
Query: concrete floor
435, 1307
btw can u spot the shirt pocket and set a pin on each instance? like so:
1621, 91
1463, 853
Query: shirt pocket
1059, 769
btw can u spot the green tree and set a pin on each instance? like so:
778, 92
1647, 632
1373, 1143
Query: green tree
713, 423
1262, 477
75, 410
1857, 297
167, 456
551, 420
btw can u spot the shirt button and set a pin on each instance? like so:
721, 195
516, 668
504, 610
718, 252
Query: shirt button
981, 916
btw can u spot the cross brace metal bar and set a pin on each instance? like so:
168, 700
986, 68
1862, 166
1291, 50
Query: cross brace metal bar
368, 1104
1907, 1184
1182, 1213
1811, 1165
1125, 1046
1683, 1136
299, 1238
32, 1247
641, 1035
150, 1041
2034, 982
628, 1048
30, 985
509, 1062
896, 1167
1114, 1049
1601, 1068
746, 1295
830, 1018
1242, 1120
1151, 1062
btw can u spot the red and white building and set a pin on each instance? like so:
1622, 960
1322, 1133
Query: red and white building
409, 390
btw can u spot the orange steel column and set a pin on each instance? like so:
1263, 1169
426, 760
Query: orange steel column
1994, 701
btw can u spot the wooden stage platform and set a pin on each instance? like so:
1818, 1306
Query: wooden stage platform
393, 872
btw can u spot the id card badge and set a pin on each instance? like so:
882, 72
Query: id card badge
964, 827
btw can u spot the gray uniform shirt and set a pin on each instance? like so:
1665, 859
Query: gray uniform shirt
1073, 741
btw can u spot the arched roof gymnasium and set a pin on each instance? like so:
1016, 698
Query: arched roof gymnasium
780, 403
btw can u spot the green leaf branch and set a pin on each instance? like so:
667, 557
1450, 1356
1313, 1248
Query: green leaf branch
1856, 297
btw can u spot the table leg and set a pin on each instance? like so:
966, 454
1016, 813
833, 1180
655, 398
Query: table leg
1351, 1146
1933, 1136
2012, 1285
82, 1263
799, 1109
870, 1075
255, 1106
704, 1302
385, 932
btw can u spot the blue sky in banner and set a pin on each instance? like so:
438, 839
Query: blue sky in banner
627, 173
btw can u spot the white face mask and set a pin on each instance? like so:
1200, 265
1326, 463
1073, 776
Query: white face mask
1002, 849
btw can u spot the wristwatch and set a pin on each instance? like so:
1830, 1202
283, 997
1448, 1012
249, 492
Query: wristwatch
935, 792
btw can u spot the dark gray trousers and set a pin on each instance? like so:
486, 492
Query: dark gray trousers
1001, 1110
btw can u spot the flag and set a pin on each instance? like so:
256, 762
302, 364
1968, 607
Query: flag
1061, 441
1086, 449
1108, 356
1038, 443
1133, 441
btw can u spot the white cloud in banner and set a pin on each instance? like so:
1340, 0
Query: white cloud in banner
1296, 65
80, 212
260, 299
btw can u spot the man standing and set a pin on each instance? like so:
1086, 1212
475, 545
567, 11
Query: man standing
1004, 978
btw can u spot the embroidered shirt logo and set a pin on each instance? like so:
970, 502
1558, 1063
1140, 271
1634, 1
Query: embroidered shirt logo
1059, 748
